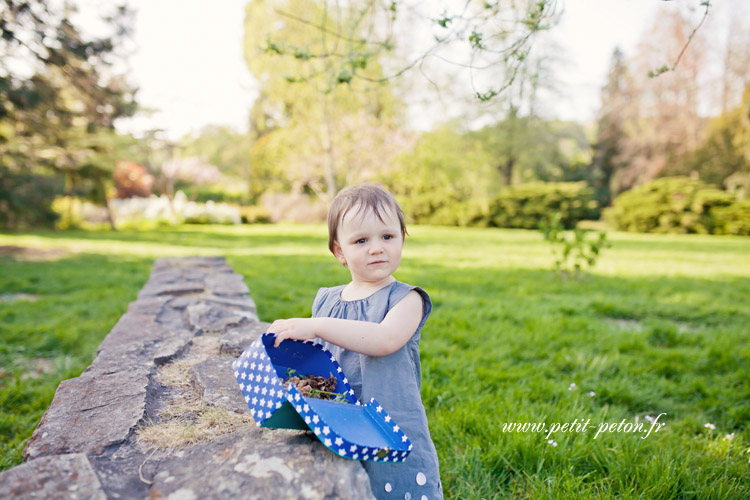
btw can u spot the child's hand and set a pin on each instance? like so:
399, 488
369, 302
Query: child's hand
295, 328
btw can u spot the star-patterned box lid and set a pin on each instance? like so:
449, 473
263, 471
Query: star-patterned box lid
346, 427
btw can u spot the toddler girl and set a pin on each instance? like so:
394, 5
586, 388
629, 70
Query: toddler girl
372, 325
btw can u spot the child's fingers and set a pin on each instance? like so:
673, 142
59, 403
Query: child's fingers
281, 335
275, 326
276, 331
287, 329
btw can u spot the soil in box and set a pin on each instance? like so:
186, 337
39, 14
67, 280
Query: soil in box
314, 386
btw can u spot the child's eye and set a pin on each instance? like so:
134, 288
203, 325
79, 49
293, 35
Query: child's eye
388, 237
360, 241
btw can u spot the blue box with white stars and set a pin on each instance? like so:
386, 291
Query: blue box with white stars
348, 428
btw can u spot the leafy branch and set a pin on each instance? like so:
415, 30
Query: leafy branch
352, 40
573, 249
664, 69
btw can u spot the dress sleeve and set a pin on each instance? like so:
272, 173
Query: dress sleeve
401, 291
426, 305
320, 297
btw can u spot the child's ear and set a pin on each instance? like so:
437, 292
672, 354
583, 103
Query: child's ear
338, 253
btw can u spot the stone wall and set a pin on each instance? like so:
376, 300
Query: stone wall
159, 415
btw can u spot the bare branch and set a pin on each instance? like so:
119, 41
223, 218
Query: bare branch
665, 69
695, 30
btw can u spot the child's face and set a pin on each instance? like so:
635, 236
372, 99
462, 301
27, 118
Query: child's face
370, 247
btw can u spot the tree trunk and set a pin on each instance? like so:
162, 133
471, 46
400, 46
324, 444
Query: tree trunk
169, 191
510, 163
248, 179
110, 215
508, 171
329, 172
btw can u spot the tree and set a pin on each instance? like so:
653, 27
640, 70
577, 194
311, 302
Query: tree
662, 116
230, 152
726, 149
521, 139
474, 36
736, 59
59, 97
132, 180
91, 177
194, 170
508, 142
346, 39
317, 134
615, 116
527, 148
706, 4
447, 178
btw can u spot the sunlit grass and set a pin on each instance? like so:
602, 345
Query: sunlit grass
631, 254
660, 325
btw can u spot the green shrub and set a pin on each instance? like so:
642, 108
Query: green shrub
458, 213
214, 192
255, 214
676, 205
26, 198
732, 219
442, 211
528, 205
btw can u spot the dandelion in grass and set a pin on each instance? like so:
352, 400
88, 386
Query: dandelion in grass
572, 386
710, 426
729, 437
591, 394
552, 442
649, 419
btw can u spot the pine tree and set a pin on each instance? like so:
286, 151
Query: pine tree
611, 129
59, 99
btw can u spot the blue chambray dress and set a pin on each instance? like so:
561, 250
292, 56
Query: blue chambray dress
394, 381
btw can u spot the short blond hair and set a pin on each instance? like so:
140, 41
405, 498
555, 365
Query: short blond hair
366, 197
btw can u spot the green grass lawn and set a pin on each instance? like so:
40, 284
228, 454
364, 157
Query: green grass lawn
662, 325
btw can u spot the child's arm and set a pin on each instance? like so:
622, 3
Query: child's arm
364, 337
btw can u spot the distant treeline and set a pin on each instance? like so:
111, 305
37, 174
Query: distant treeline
310, 137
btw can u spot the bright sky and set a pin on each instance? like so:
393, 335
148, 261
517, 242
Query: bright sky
189, 64
588, 32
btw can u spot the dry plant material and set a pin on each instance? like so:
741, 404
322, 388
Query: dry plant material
314, 386
186, 419
198, 425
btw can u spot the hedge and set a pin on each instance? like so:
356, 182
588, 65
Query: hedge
527, 205
679, 205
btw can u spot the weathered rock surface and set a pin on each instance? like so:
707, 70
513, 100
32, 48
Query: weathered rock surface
226, 284
149, 307
135, 341
261, 464
89, 413
236, 340
52, 478
215, 318
216, 388
193, 316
